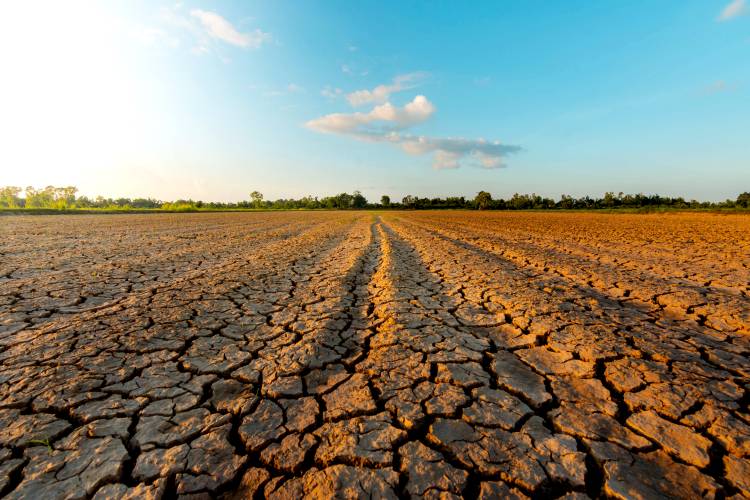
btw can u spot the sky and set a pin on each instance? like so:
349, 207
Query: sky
214, 99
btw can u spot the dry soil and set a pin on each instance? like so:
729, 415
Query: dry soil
354, 354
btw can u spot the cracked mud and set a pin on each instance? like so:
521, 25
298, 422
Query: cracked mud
355, 355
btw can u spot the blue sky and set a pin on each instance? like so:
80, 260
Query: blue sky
215, 99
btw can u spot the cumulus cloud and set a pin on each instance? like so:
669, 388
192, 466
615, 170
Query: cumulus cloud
385, 117
733, 9
417, 111
385, 123
445, 160
201, 32
451, 152
382, 93
218, 27
388, 124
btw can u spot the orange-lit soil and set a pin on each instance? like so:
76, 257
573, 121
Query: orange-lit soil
362, 354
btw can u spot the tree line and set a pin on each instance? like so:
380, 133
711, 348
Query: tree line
64, 198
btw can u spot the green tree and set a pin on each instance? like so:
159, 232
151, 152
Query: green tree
9, 197
344, 200
64, 197
51, 197
358, 201
39, 198
566, 202
329, 202
609, 199
257, 199
520, 201
483, 200
743, 200
409, 201
385, 200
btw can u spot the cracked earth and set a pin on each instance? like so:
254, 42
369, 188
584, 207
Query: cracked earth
356, 355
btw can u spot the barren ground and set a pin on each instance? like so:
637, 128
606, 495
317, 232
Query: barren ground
432, 354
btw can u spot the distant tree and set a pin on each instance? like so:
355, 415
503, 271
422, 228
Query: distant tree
609, 199
34, 198
58, 198
50, 197
566, 202
548, 203
145, 203
9, 197
84, 202
743, 200
344, 200
519, 202
309, 202
483, 200
409, 201
358, 201
257, 199
328, 202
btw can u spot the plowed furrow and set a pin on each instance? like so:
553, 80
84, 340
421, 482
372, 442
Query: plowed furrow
356, 354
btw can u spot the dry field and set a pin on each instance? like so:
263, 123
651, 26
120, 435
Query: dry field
435, 354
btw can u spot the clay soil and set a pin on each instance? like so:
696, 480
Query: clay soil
357, 354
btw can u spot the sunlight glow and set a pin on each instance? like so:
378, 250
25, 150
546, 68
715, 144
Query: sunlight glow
69, 105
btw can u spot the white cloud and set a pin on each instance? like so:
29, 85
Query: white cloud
218, 27
488, 160
383, 123
364, 125
445, 160
416, 111
733, 9
204, 32
452, 152
382, 93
